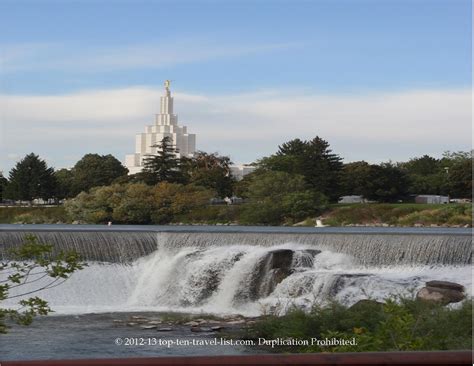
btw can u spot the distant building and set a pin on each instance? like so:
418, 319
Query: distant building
432, 199
166, 124
352, 199
460, 200
240, 171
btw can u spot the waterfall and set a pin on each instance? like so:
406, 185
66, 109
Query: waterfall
368, 248
243, 272
245, 279
102, 246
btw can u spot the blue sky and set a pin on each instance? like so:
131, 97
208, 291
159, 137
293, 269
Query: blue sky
230, 50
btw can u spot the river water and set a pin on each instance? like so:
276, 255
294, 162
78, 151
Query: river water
221, 271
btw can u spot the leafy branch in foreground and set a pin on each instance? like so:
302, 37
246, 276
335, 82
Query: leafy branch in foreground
33, 267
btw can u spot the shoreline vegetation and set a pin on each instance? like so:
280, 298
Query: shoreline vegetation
397, 324
299, 185
337, 215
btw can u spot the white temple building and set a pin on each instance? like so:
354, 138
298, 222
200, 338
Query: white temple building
166, 124
241, 170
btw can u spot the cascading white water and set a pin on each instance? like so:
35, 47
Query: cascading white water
245, 279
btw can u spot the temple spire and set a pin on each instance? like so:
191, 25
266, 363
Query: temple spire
167, 87
166, 105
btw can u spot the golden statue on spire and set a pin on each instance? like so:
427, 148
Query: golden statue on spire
167, 84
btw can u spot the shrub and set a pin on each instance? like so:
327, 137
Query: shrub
398, 324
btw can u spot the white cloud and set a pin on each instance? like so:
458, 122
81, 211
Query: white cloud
21, 57
247, 126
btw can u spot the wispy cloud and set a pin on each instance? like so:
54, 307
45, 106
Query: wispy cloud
93, 58
246, 126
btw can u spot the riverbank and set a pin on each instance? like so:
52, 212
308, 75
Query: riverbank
395, 215
400, 214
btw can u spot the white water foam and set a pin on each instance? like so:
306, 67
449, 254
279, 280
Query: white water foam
218, 280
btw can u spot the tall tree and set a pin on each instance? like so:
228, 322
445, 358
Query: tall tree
95, 170
276, 197
460, 179
164, 166
425, 165
31, 178
312, 159
355, 177
210, 171
65, 179
3, 185
425, 174
457, 173
386, 183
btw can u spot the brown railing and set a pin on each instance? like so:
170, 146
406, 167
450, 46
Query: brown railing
367, 358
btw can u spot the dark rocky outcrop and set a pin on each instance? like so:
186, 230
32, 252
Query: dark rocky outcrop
270, 270
344, 280
308, 257
443, 292
446, 285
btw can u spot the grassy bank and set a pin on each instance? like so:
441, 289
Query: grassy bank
409, 215
403, 214
405, 325
33, 215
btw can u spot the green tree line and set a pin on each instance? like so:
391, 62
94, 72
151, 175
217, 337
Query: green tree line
298, 181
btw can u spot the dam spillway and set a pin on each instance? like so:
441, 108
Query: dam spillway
244, 270
368, 246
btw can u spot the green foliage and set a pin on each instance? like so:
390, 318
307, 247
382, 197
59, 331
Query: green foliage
386, 183
3, 186
451, 175
459, 214
460, 179
423, 166
211, 215
313, 160
137, 203
93, 170
28, 264
65, 180
172, 201
399, 214
209, 171
33, 215
397, 325
383, 183
164, 166
31, 178
354, 178
276, 196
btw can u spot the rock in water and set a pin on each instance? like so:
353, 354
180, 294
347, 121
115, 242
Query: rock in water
273, 268
148, 326
441, 291
446, 285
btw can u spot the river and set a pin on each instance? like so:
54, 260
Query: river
223, 270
